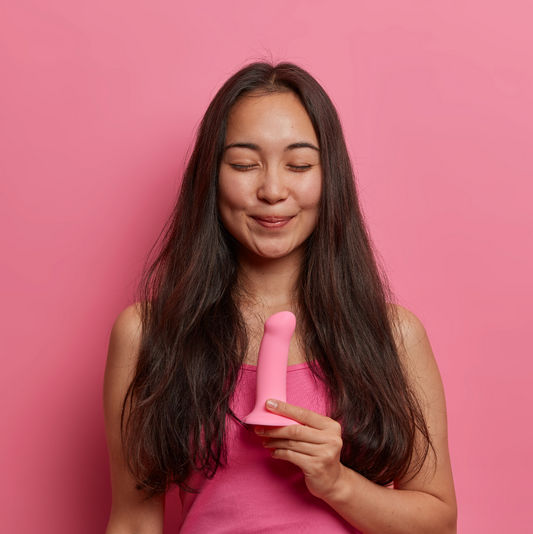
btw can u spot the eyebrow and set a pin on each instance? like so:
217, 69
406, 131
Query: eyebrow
257, 148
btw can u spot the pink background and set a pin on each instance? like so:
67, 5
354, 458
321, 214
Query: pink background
99, 102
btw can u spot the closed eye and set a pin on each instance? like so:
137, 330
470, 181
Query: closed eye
299, 168
243, 167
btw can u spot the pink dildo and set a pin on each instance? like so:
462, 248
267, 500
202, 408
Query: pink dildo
272, 370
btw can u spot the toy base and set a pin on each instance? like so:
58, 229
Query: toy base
268, 419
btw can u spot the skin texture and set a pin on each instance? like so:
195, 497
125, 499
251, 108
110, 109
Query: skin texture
267, 173
426, 503
130, 511
273, 173
269, 190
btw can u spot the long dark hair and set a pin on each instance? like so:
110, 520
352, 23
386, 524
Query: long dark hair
194, 337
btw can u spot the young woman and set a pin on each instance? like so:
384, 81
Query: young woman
268, 220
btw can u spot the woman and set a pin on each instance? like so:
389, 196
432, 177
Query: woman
268, 220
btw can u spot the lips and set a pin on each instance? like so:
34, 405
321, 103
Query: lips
272, 222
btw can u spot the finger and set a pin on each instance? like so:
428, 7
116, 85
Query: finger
303, 461
302, 415
309, 449
293, 432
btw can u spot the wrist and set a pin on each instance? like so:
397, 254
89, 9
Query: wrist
340, 490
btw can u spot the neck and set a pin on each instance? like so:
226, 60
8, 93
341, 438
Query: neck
270, 283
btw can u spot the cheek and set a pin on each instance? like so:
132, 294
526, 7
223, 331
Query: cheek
310, 195
231, 193
225, 201
232, 206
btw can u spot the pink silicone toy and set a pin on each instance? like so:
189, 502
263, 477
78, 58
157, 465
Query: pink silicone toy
272, 370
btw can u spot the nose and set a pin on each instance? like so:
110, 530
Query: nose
272, 187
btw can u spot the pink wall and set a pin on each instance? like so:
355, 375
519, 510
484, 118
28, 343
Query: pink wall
99, 99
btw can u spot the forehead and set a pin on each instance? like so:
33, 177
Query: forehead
270, 116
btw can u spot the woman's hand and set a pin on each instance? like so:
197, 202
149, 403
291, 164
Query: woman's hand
314, 446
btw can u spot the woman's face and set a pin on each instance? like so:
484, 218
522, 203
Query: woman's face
270, 179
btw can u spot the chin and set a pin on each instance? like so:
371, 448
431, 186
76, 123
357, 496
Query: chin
276, 253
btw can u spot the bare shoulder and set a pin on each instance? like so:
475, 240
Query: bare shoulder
417, 357
406, 325
411, 339
129, 318
127, 325
125, 337
122, 356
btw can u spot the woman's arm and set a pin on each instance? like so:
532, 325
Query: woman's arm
424, 504
130, 511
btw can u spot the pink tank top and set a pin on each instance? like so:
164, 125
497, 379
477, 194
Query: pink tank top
255, 493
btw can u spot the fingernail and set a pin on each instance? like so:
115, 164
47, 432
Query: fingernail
259, 430
271, 404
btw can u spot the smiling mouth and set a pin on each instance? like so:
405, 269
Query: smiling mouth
272, 222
